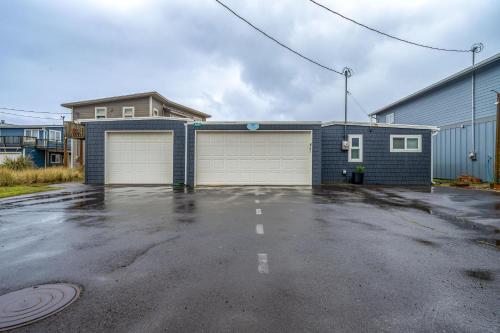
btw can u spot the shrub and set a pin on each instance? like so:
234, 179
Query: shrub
6, 178
360, 169
38, 176
19, 163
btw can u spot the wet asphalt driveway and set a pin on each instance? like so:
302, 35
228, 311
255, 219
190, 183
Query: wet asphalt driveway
336, 259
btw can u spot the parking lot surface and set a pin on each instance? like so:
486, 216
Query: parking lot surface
259, 259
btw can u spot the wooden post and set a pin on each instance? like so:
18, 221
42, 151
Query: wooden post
65, 159
497, 146
80, 154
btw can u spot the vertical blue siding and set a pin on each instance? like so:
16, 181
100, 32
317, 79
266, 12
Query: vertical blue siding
453, 144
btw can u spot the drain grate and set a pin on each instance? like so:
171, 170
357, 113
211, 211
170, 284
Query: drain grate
28, 305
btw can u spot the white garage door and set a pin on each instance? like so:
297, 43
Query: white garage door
253, 158
139, 158
12, 156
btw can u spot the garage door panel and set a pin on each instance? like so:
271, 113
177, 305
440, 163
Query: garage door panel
139, 158
253, 158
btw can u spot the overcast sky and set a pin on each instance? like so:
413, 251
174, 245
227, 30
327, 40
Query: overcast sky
195, 53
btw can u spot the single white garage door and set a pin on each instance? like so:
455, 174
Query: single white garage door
12, 156
139, 158
254, 158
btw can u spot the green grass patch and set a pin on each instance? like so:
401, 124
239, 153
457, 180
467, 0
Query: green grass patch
10, 191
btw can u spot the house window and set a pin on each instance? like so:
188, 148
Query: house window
128, 111
406, 143
100, 112
355, 148
54, 135
389, 119
55, 159
33, 133
155, 112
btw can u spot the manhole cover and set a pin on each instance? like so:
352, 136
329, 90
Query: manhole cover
28, 305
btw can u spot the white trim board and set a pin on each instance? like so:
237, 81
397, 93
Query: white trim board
353, 123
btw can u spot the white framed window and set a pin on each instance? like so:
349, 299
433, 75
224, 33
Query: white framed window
406, 143
155, 112
389, 119
101, 112
55, 135
355, 153
33, 133
128, 111
55, 158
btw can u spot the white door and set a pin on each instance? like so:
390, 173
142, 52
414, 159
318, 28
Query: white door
139, 158
254, 158
12, 156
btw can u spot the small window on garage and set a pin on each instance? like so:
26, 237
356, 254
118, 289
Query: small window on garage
389, 119
155, 112
355, 148
128, 111
55, 158
54, 135
100, 112
406, 143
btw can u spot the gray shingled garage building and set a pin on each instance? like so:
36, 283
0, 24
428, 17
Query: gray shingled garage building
170, 150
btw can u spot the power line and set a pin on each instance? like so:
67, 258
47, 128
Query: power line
358, 104
277, 41
32, 111
386, 34
23, 115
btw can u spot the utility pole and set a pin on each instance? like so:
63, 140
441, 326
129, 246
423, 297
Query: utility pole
347, 74
476, 48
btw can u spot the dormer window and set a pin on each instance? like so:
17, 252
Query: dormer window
100, 112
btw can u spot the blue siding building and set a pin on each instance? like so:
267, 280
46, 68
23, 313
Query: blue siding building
43, 143
448, 105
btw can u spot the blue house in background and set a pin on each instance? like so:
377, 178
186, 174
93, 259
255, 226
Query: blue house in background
458, 148
43, 143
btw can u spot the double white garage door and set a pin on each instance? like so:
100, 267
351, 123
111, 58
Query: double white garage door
221, 158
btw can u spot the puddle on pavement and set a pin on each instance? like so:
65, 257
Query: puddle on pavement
480, 274
425, 242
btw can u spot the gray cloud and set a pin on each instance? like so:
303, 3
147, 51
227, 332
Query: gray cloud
195, 53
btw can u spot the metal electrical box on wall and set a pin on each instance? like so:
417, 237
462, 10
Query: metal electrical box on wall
345, 145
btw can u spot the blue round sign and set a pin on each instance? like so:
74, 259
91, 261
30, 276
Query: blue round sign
253, 126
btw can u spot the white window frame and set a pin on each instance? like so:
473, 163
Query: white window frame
349, 158
406, 149
31, 132
155, 112
128, 108
389, 118
101, 108
57, 161
55, 135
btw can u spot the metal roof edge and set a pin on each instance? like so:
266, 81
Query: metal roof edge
448, 79
367, 124
29, 126
271, 122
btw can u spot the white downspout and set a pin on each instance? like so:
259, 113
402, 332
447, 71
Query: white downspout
433, 134
150, 106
